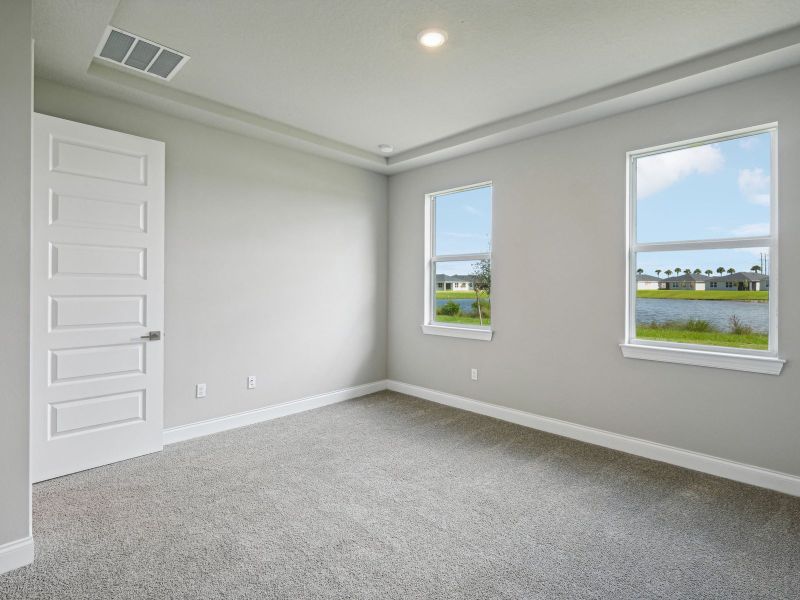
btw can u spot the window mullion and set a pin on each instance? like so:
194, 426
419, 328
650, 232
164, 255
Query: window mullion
461, 257
715, 244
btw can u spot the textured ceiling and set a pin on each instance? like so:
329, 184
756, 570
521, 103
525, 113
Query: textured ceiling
352, 71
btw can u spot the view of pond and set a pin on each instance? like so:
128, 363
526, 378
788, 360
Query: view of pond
464, 303
716, 312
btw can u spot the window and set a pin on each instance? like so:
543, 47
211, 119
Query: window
458, 246
705, 209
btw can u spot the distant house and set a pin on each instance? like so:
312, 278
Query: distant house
454, 282
741, 281
646, 282
687, 281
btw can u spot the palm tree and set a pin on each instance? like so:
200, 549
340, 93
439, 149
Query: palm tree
658, 272
668, 272
709, 272
639, 271
677, 271
755, 268
731, 271
720, 270
698, 271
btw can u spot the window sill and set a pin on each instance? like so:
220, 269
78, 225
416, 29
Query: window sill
720, 360
472, 333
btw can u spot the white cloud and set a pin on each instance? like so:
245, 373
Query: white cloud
754, 252
754, 185
659, 171
752, 229
472, 210
748, 142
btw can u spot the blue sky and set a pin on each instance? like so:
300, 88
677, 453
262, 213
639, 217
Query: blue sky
719, 190
463, 225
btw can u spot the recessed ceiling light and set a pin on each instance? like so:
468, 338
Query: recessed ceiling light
432, 38
386, 148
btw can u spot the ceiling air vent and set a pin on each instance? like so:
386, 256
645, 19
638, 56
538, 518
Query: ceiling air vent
134, 52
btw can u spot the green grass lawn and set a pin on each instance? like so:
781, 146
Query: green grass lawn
704, 295
462, 319
450, 295
754, 341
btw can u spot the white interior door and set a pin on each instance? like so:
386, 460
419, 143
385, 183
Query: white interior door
97, 287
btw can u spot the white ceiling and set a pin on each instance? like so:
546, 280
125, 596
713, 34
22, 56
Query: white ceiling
347, 75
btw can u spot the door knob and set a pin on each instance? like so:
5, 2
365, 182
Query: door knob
153, 336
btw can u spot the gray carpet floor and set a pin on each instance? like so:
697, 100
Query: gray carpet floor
388, 496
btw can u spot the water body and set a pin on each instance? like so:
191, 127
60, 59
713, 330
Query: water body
716, 312
464, 303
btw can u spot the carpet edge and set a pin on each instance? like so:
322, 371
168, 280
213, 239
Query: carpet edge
689, 459
182, 433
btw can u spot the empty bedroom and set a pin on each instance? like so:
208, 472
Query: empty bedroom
360, 299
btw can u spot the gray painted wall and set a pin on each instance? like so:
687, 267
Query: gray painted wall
559, 216
275, 263
15, 166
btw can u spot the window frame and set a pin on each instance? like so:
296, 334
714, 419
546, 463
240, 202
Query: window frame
429, 324
759, 361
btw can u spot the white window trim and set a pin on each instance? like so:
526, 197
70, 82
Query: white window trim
429, 325
756, 361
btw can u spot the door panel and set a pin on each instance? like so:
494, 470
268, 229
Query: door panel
84, 414
97, 287
79, 312
97, 213
102, 161
71, 364
99, 261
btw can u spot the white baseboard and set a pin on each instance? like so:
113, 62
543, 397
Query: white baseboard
721, 467
14, 555
201, 428
773, 480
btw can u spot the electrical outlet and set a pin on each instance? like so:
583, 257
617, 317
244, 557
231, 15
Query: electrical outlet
474, 374
200, 390
251, 382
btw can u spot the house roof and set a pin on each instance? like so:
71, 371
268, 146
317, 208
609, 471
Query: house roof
689, 277
739, 276
443, 277
743, 275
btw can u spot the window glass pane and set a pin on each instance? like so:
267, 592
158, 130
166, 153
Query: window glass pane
719, 190
463, 222
709, 297
463, 290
